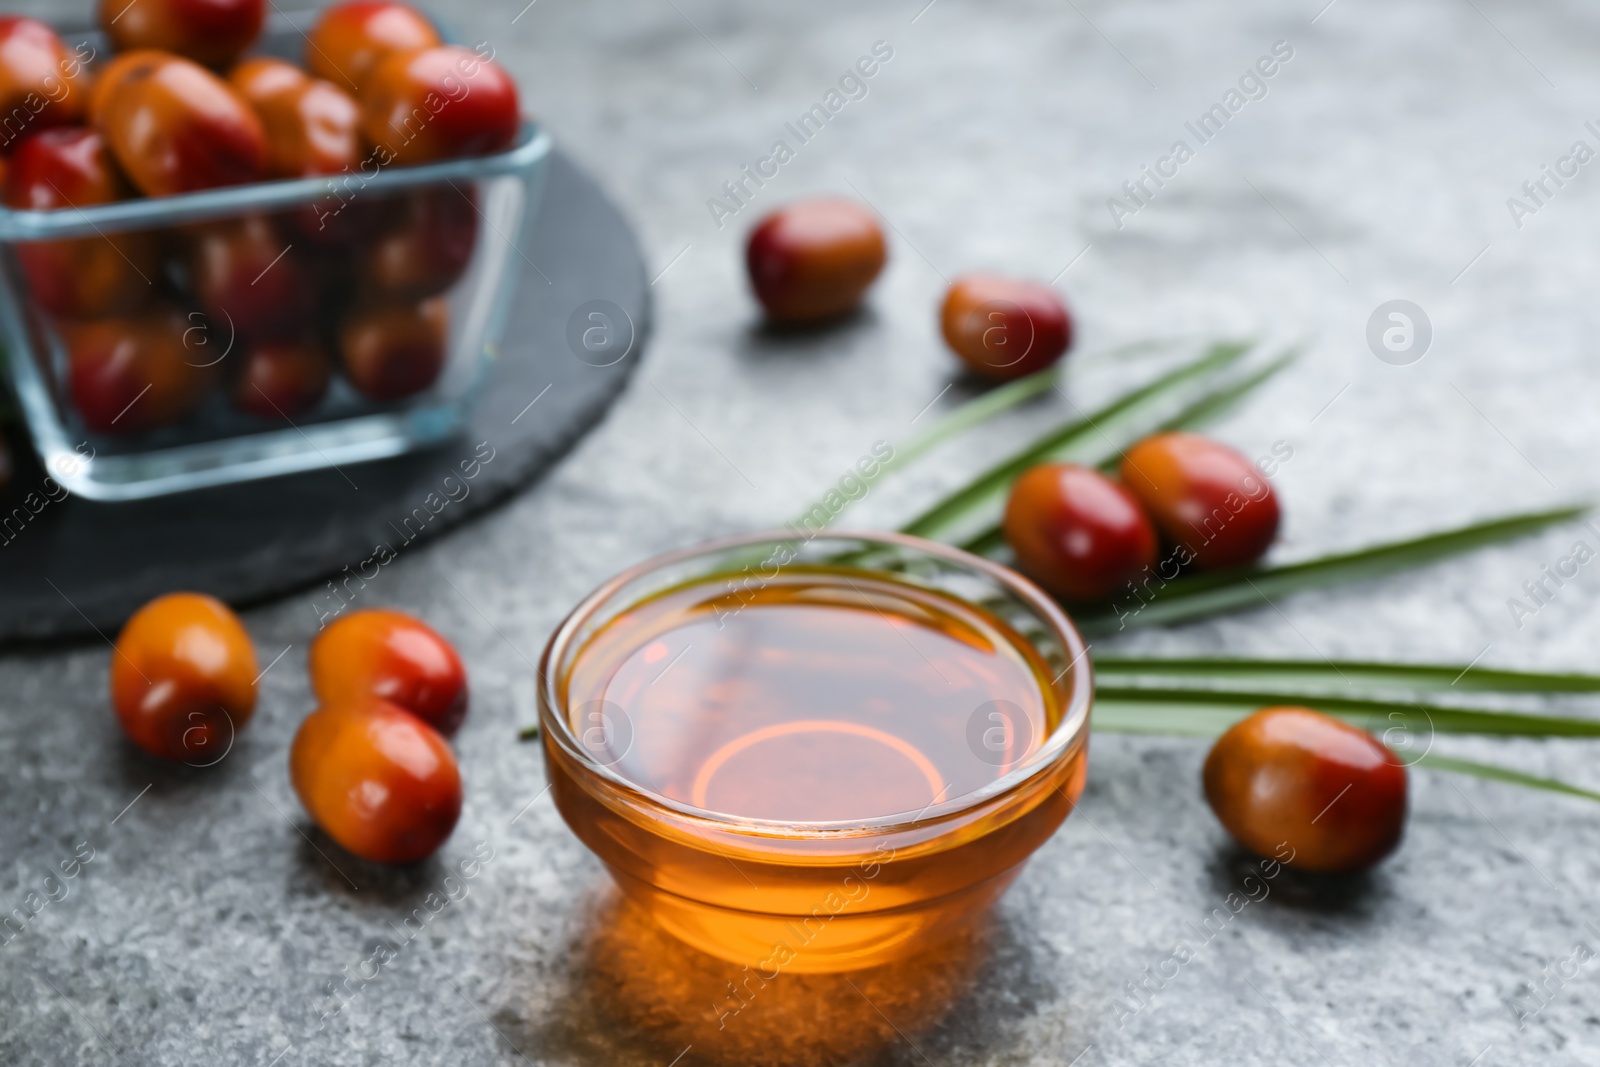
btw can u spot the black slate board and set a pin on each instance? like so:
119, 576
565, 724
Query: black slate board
79, 566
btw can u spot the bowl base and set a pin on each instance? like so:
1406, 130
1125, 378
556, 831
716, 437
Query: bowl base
823, 942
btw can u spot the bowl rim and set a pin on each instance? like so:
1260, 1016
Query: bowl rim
1061, 741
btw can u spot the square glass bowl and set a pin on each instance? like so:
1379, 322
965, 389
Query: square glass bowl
426, 256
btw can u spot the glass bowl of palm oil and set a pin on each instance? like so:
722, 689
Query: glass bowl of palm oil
815, 754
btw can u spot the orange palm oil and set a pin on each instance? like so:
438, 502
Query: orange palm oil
787, 763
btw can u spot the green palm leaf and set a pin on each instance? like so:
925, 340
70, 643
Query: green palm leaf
1325, 675
1209, 406
1214, 405
1218, 592
1145, 706
995, 402
1504, 774
1174, 721
988, 490
964, 418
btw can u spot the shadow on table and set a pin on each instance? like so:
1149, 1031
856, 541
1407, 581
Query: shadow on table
322, 861
764, 338
1351, 896
317, 864
636, 995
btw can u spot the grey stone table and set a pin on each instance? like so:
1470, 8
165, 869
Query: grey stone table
212, 922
